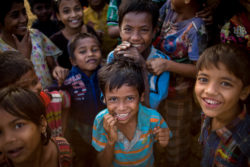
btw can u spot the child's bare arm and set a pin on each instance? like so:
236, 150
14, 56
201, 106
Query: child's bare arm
157, 66
162, 136
105, 158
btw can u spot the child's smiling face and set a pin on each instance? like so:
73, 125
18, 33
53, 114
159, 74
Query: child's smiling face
70, 13
123, 103
137, 29
43, 11
87, 55
218, 91
19, 138
15, 21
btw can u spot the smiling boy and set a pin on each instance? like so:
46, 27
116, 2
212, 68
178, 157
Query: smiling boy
222, 86
137, 24
125, 132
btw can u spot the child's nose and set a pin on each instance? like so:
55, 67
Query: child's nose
211, 89
121, 106
135, 36
9, 138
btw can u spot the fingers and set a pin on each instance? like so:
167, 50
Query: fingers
15, 39
123, 46
162, 135
60, 73
109, 122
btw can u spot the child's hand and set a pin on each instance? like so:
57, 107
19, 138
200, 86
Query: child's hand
60, 73
162, 136
127, 50
24, 46
156, 66
110, 127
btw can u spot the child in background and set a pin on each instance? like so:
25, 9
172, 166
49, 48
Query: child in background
30, 42
70, 13
222, 86
183, 38
43, 10
96, 16
25, 136
237, 29
124, 133
82, 85
112, 16
16, 70
137, 21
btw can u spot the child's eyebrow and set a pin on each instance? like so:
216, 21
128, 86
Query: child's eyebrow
203, 74
228, 79
15, 120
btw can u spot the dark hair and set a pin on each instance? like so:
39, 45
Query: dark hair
25, 104
6, 7
235, 59
122, 70
57, 4
13, 65
33, 2
139, 6
72, 44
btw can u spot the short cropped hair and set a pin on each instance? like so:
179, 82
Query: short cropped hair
6, 7
13, 65
25, 104
235, 59
73, 43
121, 71
139, 6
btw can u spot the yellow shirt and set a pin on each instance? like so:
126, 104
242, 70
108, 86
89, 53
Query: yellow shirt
99, 23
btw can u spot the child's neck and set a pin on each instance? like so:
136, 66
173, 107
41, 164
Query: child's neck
129, 129
69, 33
187, 12
220, 122
42, 157
8, 39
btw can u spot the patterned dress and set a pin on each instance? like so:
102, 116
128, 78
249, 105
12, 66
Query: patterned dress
41, 48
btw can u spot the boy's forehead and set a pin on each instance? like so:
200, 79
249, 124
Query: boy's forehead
135, 16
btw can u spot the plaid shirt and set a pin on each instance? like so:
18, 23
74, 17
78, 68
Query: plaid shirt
228, 146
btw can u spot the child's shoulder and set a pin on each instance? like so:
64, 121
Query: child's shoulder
148, 113
100, 115
156, 53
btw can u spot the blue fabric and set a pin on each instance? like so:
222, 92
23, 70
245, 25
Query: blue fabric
137, 152
85, 95
228, 146
182, 41
158, 84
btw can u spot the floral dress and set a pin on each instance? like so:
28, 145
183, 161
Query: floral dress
41, 47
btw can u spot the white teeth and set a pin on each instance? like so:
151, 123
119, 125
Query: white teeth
136, 45
74, 21
122, 115
211, 101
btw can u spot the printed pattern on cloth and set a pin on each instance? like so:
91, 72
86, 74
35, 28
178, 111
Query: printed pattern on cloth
41, 47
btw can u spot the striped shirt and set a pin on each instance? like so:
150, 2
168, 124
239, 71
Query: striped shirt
138, 151
158, 84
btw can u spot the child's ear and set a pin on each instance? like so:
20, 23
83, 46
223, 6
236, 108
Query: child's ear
72, 61
245, 93
44, 124
142, 97
58, 16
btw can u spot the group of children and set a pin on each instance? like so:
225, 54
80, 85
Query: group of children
108, 111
